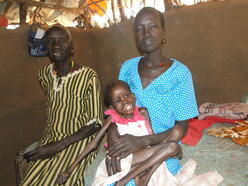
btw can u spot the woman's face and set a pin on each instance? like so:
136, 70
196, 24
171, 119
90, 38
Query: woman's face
148, 32
58, 44
123, 101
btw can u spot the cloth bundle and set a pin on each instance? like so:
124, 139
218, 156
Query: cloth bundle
238, 133
235, 111
196, 127
185, 177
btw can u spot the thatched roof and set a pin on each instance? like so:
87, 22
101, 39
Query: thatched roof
49, 12
79, 13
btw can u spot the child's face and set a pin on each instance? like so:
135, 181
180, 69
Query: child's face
123, 101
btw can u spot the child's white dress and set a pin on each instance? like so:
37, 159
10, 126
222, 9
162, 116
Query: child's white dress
138, 126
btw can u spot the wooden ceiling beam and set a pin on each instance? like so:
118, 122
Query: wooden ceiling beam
51, 6
23, 7
8, 6
80, 10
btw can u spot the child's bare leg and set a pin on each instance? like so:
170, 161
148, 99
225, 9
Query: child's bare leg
140, 180
144, 177
153, 156
64, 176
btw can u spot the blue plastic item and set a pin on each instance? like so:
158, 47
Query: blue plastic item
36, 47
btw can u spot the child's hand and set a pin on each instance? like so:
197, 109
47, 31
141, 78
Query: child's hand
63, 177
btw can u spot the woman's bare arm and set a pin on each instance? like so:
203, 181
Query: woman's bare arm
128, 144
51, 149
153, 157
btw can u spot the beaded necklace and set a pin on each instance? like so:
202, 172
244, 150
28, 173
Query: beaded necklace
161, 64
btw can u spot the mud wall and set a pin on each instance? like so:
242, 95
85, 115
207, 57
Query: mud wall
210, 38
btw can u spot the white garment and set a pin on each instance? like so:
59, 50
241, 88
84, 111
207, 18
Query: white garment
138, 128
162, 176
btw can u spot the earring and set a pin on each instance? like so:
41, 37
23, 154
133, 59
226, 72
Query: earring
72, 53
163, 41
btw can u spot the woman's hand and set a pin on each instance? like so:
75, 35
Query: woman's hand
63, 177
51, 149
39, 153
126, 145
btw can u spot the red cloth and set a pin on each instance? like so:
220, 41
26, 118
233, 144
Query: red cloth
3, 21
196, 127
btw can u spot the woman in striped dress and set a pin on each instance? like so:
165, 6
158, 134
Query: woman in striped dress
74, 112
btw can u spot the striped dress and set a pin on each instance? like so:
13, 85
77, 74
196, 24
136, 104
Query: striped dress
72, 104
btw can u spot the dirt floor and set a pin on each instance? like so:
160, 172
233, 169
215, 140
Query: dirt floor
211, 153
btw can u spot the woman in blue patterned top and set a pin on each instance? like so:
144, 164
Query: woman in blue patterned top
163, 85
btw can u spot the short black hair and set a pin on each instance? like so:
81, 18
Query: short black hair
149, 9
58, 27
109, 87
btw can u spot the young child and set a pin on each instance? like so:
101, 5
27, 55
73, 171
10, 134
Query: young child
135, 121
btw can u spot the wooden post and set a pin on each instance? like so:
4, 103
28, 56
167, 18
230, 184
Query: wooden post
144, 2
23, 12
167, 4
8, 6
113, 10
120, 6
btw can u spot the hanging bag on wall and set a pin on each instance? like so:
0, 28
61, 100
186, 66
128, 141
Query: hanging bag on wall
36, 44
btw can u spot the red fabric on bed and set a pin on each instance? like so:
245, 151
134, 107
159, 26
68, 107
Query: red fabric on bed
196, 127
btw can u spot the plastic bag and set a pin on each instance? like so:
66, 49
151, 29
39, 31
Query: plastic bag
36, 44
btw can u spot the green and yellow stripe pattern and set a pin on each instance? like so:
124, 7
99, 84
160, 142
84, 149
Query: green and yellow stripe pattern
71, 105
